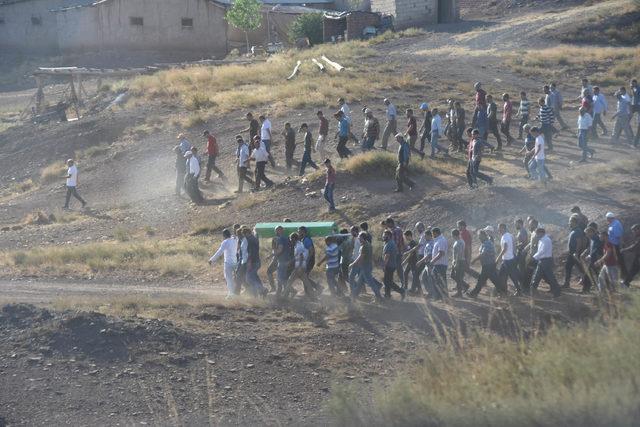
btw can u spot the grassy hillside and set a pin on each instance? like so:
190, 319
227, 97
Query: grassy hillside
580, 376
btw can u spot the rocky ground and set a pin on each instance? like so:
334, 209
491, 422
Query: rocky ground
123, 348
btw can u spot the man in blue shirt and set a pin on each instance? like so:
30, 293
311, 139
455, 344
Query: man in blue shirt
615, 233
342, 135
487, 259
402, 170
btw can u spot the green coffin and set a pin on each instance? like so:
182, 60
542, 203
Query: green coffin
266, 230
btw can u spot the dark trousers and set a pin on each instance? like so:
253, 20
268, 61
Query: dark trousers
488, 272
597, 120
260, 176
242, 177
306, 160
568, 269
544, 270
425, 137
505, 127
288, 156
211, 165
411, 268
72, 191
509, 269
403, 178
493, 129
389, 285
342, 149
590, 277
192, 187
547, 131
633, 271
457, 274
473, 173
524, 119
621, 262
440, 289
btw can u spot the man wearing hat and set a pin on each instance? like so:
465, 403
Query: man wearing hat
211, 152
615, 232
72, 183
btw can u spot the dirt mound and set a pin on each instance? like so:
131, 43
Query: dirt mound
23, 315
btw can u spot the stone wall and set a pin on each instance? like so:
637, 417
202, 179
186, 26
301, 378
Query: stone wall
408, 13
145, 25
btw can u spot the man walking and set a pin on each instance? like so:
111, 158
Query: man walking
425, 129
578, 242
242, 158
545, 115
492, 117
439, 262
343, 135
458, 266
283, 255
253, 264
623, 117
390, 262
253, 129
509, 267
193, 173
474, 157
507, 113
402, 170
371, 130
538, 155
261, 157
265, 136
600, 108
412, 132
523, 113
228, 248
615, 231
391, 127
181, 169
72, 184
635, 108
332, 258
556, 104
608, 277
323, 131
289, 144
634, 251
306, 155
211, 153
487, 257
436, 131
544, 266
363, 262
584, 124
329, 185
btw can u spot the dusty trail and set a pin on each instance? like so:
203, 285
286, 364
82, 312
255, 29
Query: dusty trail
47, 292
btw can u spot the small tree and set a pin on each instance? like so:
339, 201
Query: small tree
307, 25
245, 15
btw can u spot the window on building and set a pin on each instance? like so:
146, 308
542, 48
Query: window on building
136, 20
187, 23
36, 20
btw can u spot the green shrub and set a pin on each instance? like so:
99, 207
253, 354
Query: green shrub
380, 164
307, 25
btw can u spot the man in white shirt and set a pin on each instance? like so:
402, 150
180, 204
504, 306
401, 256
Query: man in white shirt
544, 267
261, 156
622, 116
537, 153
242, 156
509, 267
72, 183
193, 173
585, 122
391, 128
265, 137
437, 130
300, 259
438, 264
600, 109
228, 248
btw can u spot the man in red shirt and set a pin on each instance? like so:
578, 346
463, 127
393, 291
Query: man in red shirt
412, 132
507, 113
211, 152
609, 273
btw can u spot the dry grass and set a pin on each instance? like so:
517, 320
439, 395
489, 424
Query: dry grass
228, 88
167, 258
607, 67
53, 173
379, 164
572, 376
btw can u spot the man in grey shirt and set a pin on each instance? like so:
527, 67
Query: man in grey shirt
391, 128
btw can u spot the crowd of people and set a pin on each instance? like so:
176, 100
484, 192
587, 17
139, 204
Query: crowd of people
424, 258
436, 127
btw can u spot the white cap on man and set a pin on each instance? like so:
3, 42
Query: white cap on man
610, 215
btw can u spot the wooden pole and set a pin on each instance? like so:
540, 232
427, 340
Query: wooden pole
335, 65
74, 97
315, 61
39, 95
295, 70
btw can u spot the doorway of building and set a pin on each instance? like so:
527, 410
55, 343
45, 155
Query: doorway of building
444, 11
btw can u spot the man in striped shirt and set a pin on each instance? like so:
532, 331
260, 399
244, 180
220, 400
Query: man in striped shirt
523, 112
332, 258
545, 115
